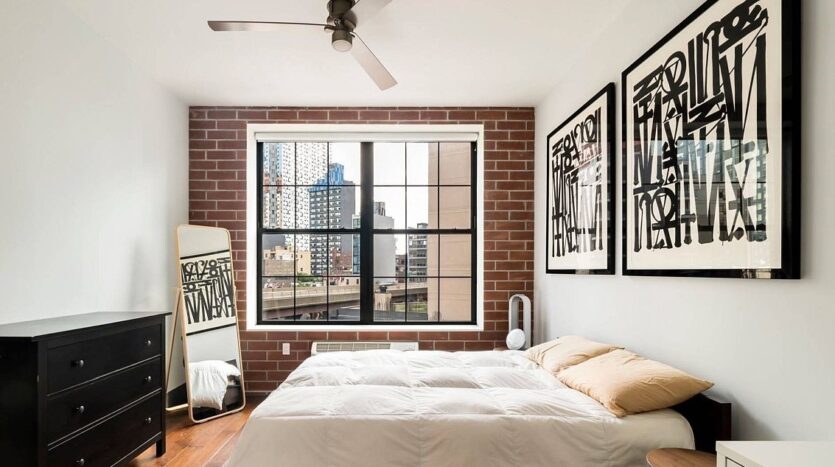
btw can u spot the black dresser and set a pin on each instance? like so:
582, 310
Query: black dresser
83, 390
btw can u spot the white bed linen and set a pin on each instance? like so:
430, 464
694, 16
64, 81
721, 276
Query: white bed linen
392, 408
208, 381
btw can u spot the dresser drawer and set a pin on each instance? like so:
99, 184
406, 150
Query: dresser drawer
74, 409
78, 362
108, 443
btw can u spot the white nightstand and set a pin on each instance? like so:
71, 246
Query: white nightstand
774, 454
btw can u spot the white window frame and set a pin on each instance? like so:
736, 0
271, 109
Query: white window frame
270, 132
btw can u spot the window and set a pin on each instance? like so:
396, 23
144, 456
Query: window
366, 233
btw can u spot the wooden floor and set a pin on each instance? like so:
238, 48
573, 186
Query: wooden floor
206, 444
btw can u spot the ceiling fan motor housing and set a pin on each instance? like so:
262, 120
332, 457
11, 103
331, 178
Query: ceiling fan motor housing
339, 13
337, 9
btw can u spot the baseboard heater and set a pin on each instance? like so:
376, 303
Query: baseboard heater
347, 346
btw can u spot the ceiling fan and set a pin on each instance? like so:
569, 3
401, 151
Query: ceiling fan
343, 17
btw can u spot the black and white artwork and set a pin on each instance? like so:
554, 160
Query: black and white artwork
580, 187
208, 291
710, 142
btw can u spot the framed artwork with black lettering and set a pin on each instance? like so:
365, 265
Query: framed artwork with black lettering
711, 146
580, 190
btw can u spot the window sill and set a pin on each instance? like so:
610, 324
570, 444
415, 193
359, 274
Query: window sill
365, 328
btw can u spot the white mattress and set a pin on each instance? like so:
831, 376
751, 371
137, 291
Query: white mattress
392, 408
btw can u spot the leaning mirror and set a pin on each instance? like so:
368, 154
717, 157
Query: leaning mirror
209, 323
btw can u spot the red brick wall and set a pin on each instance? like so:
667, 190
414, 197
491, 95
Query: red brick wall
217, 197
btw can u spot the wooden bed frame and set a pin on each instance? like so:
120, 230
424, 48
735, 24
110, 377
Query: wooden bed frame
710, 420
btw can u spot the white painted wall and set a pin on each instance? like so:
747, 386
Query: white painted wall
93, 171
768, 345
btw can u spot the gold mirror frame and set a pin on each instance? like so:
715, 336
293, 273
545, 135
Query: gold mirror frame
180, 320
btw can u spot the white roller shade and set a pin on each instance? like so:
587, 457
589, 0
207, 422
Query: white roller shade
269, 133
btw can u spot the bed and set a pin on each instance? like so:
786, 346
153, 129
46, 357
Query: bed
430, 408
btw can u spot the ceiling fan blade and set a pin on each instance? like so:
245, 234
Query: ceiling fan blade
371, 64
364, 10
258, 26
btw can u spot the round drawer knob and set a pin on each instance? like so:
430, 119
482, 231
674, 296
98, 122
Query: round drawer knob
80, 462
148, 421
148, 379
78, 363
80, 409
148, 342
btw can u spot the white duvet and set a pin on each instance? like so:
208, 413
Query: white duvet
208, 381
392, 408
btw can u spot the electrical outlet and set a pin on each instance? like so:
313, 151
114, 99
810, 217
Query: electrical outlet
285, 348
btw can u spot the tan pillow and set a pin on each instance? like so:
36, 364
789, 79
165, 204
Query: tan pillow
566, 351
536, 352
627, 384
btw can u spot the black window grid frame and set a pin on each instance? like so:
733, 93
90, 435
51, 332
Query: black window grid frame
366, 233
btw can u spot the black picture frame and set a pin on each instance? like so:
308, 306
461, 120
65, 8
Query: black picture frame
790, 182
610, 154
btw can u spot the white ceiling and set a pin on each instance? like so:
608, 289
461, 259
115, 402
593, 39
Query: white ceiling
442, 52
